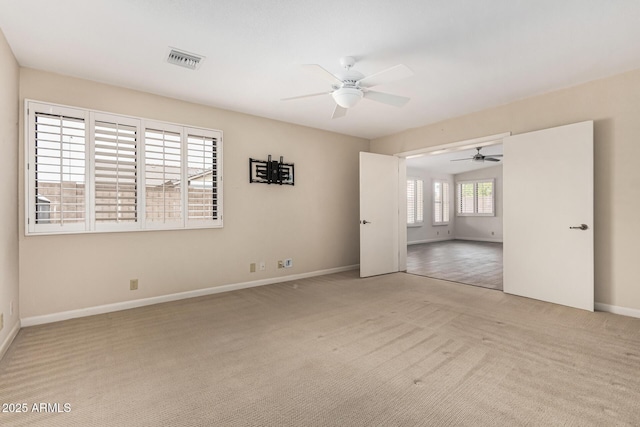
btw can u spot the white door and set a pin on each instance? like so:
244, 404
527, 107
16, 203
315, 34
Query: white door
548, 196
378, 214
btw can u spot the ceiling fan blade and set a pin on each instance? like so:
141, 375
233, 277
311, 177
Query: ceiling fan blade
339, 112
387, 98
305, 96
494, 155
458, 160
385, 76
322, 73
491, 159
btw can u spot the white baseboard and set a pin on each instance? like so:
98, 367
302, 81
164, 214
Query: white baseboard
7, 342
439, 239
624, 311
125, 305
480, 239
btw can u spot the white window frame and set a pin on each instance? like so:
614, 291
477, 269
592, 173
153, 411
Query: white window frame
475, 183
446, 200
414, 208
90, 225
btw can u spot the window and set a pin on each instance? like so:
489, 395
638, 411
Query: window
90, 171
415, 201
58, 169
475, 198
441, 202
115, 170
202, 167
163, 174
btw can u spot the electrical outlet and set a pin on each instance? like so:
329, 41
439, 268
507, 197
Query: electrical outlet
263, 266
252, 267
133, 284
280, 264
288, 263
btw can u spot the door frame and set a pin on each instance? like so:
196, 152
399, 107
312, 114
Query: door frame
483, 141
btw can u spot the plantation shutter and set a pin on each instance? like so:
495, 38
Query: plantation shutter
202, 177
485, 197
466, 197
437, 202
419, 201
415, 201
440, 202
163, 175
445, 202
411, 201
116, 172
92, 171
476, 198
58, 180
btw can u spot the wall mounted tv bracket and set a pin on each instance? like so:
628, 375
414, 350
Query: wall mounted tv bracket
271, 171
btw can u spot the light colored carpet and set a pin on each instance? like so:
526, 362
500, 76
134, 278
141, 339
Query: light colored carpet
332, 351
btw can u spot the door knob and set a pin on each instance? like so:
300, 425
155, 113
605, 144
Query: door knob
364, 221
581, 227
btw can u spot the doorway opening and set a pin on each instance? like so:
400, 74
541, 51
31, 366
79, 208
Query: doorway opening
454, 212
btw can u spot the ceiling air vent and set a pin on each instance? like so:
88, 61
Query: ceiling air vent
184, 59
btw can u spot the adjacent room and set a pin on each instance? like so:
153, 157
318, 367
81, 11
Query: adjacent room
454, 216
302, 213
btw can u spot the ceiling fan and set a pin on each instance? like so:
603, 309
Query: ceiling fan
478, 157
351, 86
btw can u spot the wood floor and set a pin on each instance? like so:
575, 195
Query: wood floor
336, 350
462, 261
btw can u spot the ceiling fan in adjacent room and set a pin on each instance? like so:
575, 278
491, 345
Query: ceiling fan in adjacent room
350, 87
479, 157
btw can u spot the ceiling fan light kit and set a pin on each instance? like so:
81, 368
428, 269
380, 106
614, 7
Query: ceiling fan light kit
352, 86
347, 97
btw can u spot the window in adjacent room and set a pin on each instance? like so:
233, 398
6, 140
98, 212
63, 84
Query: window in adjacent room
441, 202
415, 201
475, 198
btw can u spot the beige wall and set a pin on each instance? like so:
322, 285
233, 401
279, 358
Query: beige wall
314, 222
614, 104
9, 73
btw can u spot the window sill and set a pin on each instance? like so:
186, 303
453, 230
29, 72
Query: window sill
120, 230
476, 214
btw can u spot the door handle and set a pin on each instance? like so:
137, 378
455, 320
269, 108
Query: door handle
364, 221
581, 227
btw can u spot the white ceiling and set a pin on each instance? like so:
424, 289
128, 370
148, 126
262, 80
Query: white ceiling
442, 162
467, 55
